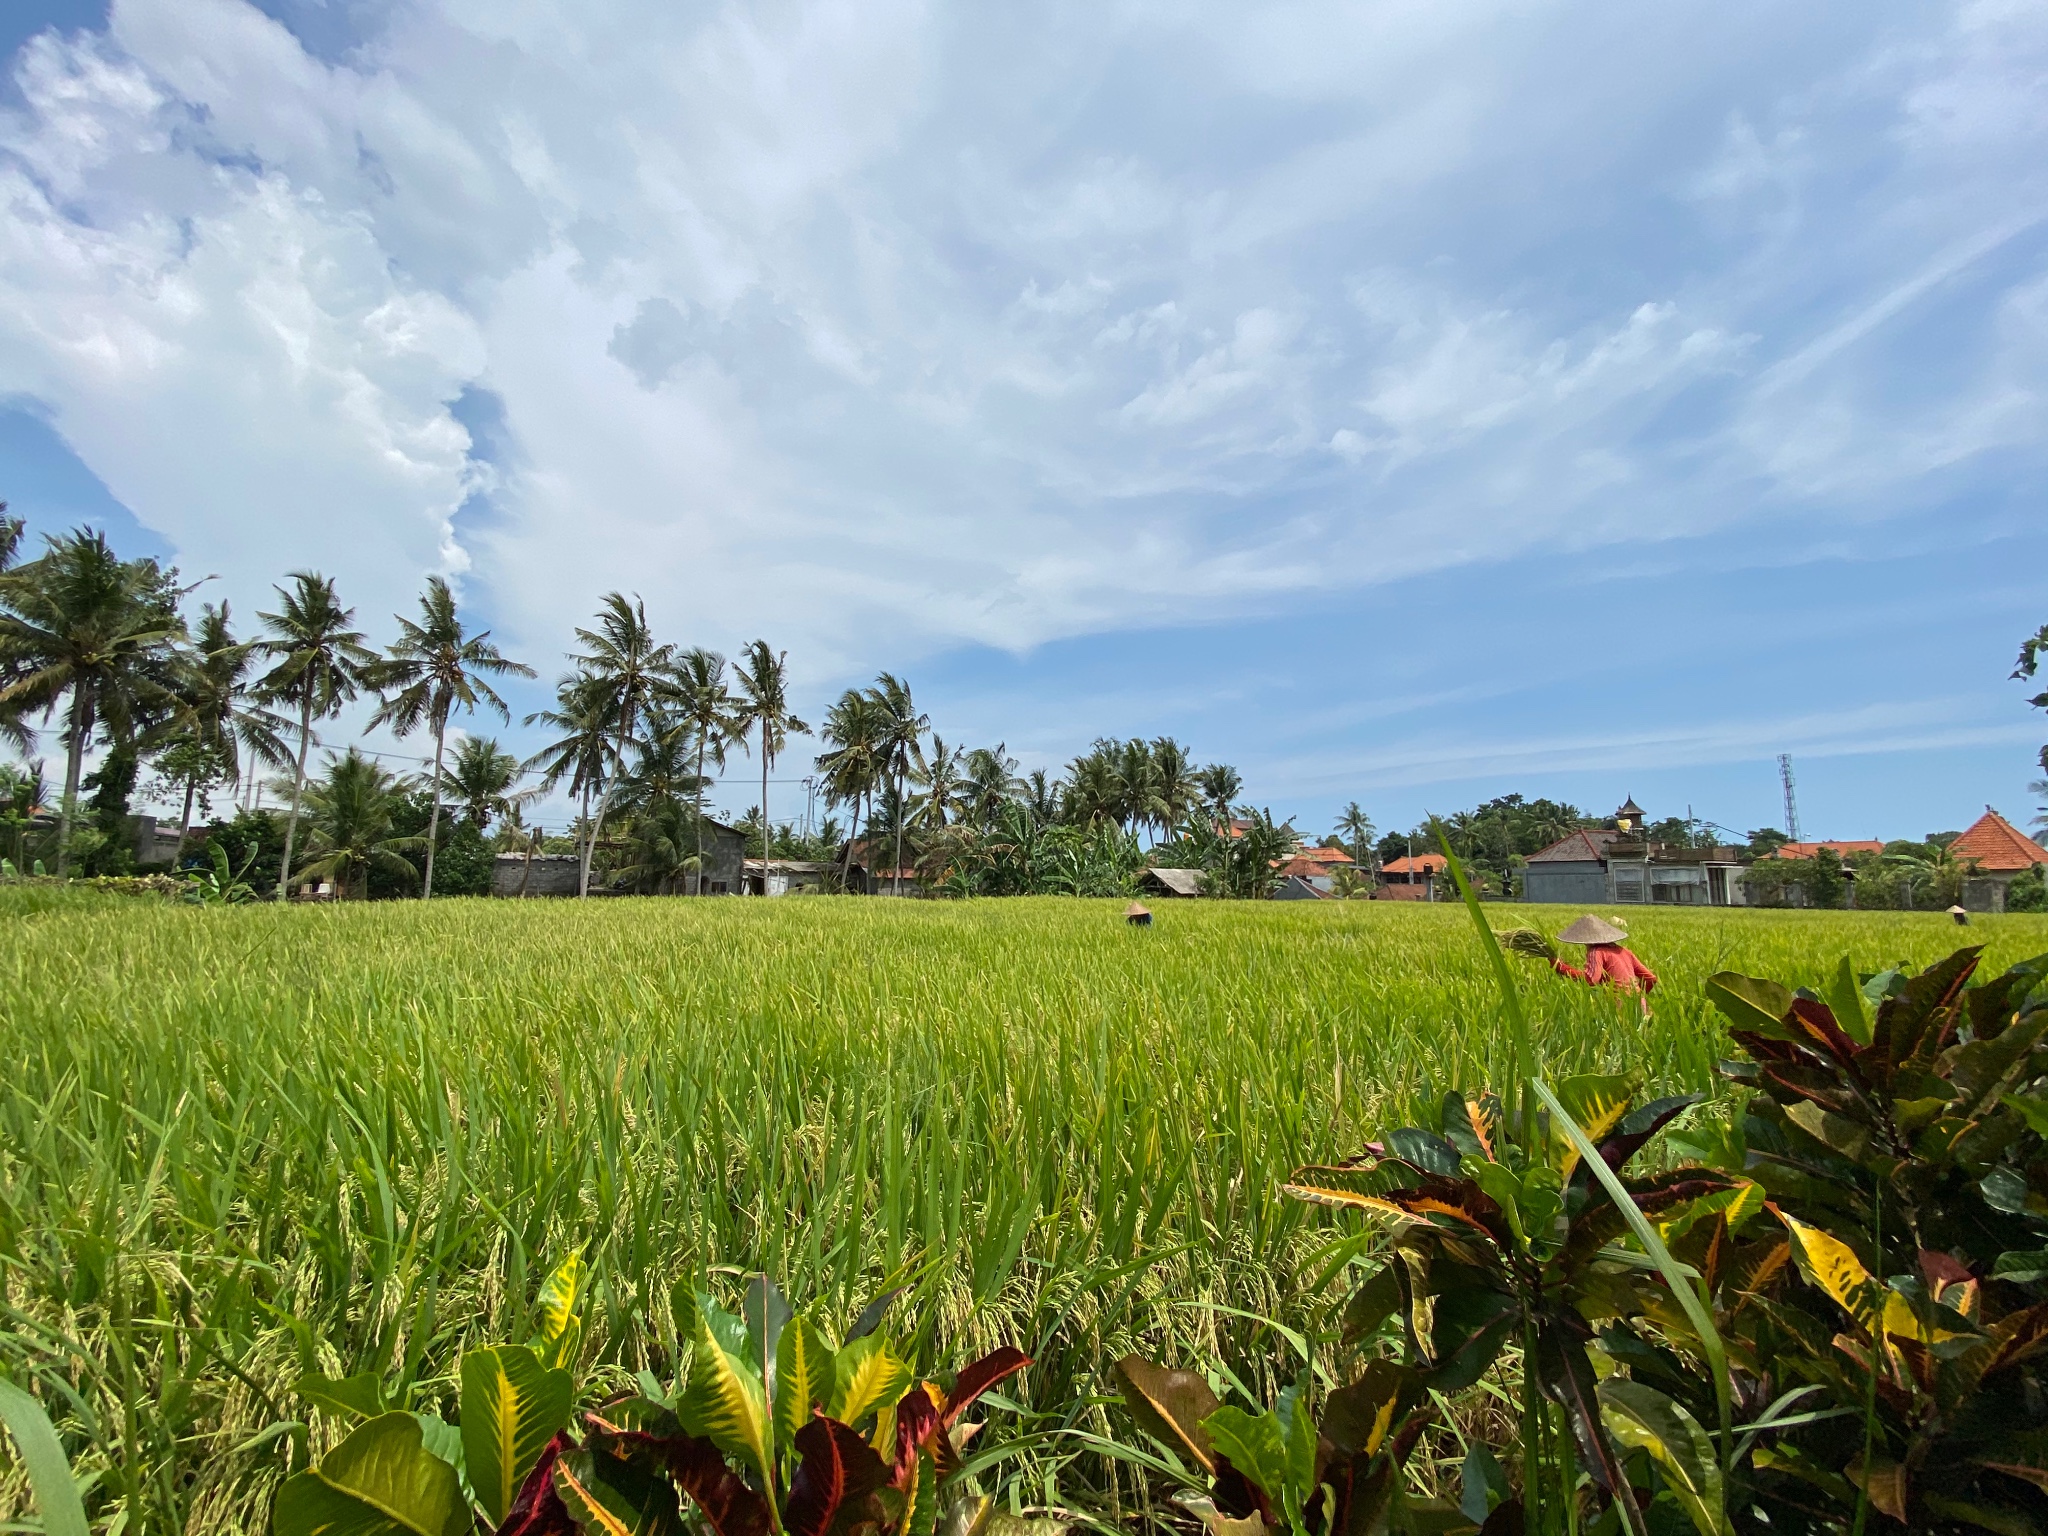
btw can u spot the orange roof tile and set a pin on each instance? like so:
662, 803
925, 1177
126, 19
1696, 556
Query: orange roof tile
1997, 845
1422, 863
1840, 850
1325, 855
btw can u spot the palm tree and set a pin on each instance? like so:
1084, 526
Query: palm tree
764, 683
81, 625
1042, 796
707, 703
582, 754
941, 778
214, 720
1356, 828
629, 669
348, 825
13, 727
903, 728
1220, 788
851, 763
991, 782
1140, 803
480, 779
429, 670
1174, 781
321, 664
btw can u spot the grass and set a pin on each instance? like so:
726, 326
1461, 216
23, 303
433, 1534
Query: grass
239, 1144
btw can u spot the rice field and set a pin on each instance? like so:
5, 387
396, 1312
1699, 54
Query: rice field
236, 1145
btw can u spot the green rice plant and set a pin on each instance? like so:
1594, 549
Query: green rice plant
244, 1146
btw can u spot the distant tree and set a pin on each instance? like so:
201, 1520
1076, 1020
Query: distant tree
626, 669
483, 779
940, 776
1174, 787
903, 728
704, 699
763, 677
214, 722
1825, 886
1220, 787
1042, 796
855, 733
1765, 841
319, 663
81, 626
433, 668
580, 754
349, 825
991, 783
1355, 833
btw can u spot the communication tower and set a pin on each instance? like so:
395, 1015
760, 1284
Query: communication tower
1791, 804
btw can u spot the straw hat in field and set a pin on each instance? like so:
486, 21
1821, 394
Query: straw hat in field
1593, 930
1137, 916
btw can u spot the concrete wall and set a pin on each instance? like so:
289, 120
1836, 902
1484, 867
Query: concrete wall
1580, 883
553, 874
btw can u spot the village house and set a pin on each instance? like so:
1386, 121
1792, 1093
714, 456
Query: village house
1412, 877
1998, 853
1618, 864
561, 874
1317, 867
785, 877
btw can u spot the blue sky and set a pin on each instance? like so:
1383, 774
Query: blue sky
1404, 402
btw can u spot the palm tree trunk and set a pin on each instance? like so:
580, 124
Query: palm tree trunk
185, 821
697, 879
589, 842
291, 826
434, 815
764, 812
896, 871
74, 766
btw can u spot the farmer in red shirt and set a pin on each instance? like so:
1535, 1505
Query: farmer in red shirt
1607, 962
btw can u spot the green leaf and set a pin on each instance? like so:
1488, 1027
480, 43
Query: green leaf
1254, 1445
1851, 1008
724, 1401
42, 1457
512, 1405
380, 1481
1751, 1003
1483, 1483
805, 1374
1646, 1420
1298, 1437
767, 1313
349, 1397
866, 1377
611, 1497
1688, 1299
555, 1312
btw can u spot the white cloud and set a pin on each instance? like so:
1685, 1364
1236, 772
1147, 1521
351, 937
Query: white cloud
892, 325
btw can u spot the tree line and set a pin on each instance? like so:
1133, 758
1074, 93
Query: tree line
101, 647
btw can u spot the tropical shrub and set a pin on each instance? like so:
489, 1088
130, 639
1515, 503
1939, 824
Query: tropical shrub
771, 1428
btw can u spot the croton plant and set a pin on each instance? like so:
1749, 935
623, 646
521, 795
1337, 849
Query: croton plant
773, 1430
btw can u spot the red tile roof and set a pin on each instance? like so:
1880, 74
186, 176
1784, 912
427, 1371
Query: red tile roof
1421, 864
1840, 850
1325, 856
1997, 845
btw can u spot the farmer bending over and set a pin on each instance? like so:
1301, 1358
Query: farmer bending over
1607, 961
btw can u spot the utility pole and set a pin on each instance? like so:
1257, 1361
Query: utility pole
1791, 804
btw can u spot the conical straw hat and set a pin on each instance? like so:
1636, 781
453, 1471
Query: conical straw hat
1592, 930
